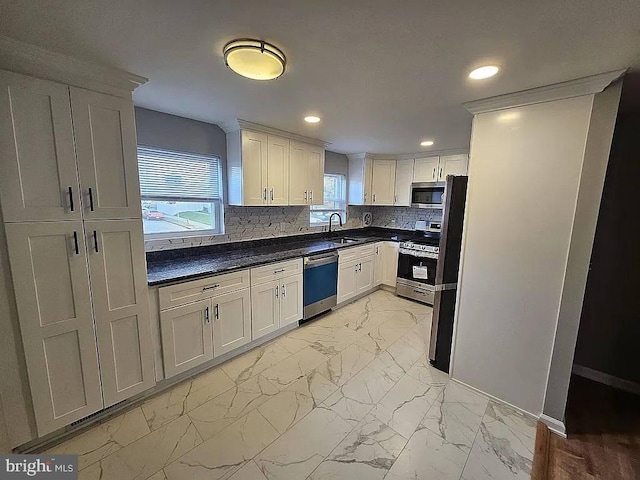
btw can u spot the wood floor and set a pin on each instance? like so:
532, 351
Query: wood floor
603, 426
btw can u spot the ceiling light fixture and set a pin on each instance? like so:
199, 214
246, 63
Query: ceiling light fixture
312, 119
426, 143
484, 72
255, 59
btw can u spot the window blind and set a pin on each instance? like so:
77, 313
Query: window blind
178, 175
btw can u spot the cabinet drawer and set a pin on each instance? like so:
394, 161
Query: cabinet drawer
188, 292
274, 271
354, 253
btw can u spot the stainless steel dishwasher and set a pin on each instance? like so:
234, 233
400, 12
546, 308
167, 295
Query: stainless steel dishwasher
320, 283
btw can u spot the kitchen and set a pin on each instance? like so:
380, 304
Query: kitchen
195, 288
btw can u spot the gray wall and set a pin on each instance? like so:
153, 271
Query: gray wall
158, 129
609, 327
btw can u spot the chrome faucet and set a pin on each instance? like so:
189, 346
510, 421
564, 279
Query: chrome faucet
331, 218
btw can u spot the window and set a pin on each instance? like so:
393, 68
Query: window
181, 193
335, 200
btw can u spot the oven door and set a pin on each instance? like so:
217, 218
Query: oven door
417, 267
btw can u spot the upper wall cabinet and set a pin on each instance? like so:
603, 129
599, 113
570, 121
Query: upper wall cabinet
371, 180
40, 125
404, 177
360, 179
306, 174
383, 182
272, 167
38, 177
104, 130
436, 169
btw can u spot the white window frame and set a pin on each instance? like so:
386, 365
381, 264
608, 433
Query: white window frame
217, 203
343, 201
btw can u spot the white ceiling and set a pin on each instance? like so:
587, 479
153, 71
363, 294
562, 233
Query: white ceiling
382, 74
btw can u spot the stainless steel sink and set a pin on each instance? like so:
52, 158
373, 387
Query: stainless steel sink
344, 241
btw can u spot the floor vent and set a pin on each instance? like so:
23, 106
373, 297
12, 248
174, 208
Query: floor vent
93, 415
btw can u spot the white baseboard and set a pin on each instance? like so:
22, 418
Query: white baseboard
556, 426
496, 399
601, 377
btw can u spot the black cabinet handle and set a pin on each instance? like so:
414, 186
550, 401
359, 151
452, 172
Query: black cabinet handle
75, 242
91, 199
71, 207
206, 315
95, 241
216, 311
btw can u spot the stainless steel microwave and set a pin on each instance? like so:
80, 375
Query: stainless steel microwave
428, 195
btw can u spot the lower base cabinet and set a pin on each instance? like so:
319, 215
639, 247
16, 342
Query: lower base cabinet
355, 277
231, 321
275, 304
187, 337
197, 332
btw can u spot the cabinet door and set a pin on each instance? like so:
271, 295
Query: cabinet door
315, 161
404, 177
105, 135
347, 287
278, 170
231, 321
390, 259
298, 172
453, 165
378, 270
365, 273
368, 182
426, 169
38, 179
254, 168
384, 178
290, 300
51, 286
121, 307
187, 337
265, 308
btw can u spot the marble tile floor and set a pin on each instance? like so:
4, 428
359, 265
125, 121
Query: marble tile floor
348, 396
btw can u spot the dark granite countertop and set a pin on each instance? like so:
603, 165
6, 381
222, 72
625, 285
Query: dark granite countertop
171, 266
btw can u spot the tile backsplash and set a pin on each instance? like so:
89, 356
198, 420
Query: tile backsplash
252, 223
403, 218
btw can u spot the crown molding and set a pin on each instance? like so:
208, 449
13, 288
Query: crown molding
27, 59
433, 153
239, 124
573, 88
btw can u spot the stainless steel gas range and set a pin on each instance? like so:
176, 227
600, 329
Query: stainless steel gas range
417, 264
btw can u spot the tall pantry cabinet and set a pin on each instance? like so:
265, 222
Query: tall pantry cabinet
70, 203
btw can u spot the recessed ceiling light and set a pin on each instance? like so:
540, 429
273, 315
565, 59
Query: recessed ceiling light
484, 72
254, 59
426, 143
311, 119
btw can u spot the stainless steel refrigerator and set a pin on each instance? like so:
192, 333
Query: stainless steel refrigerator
446, 282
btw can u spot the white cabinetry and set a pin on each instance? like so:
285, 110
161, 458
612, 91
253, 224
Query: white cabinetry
356, 271
271, 167
404, 177
453, 165
426, 169
378, 270
120, 307
203, 319
436, 169
231, 321
306, 174
383, 182
71, 205
276, 296
389, 256
360, 179
51, 283
187, 338
258, 168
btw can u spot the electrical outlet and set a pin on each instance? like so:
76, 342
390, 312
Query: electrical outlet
283, 226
